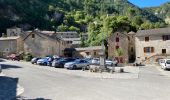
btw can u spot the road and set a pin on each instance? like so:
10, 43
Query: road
46, 84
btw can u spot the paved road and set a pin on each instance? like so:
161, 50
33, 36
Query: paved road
41, 83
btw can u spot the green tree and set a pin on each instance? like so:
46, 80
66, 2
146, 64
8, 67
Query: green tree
119, 53
147, 25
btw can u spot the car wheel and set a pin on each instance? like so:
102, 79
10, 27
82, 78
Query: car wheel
45, 64
74, 67
61, 66
164, 68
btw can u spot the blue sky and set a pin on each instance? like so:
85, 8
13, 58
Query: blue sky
148, 3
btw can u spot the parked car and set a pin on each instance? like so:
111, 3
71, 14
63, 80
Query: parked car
60, 63
95, 61
164, 63
13, 57
111, 62
55, 60
45, 61
79, 63
108, 62
34, 60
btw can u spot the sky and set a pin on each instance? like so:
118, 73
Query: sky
148, 3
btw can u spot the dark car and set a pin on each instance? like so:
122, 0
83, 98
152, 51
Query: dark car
34, 60
60, 63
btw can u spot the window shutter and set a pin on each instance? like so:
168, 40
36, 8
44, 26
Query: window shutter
144, 49
152, 49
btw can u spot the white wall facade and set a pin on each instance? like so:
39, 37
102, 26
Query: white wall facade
155, 41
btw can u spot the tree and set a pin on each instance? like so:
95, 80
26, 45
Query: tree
63, 28
147, 25
119, 53
73, 28
131, 12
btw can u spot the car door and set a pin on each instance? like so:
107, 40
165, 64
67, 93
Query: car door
80, 64
84, 63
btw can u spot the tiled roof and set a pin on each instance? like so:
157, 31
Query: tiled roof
158, 31
71, 39
89, 48
66, 32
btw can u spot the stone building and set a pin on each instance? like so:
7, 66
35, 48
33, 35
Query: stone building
152, 44
14, 31
43, 43
125, 42
10, 45
67, 34
88, 52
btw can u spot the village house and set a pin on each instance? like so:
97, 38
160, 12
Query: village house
14, 31
125, 42
88, 52
10, 45
67, 34
152, 44
37, 42
43, 43
72, 38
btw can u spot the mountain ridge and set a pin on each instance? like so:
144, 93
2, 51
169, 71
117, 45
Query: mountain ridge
51, 14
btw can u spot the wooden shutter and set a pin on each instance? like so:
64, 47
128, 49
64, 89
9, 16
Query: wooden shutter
144, 49
152, 50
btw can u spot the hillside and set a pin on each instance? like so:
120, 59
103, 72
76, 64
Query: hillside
162, 11
64, 14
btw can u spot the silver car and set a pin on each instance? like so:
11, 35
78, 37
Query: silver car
79, 63
164, 63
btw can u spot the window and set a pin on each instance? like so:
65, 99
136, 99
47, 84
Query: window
148, 49
168, 61
132, 49
33, 35
146, 39
95, 53
163, 51
117, 39
165, 37
117, 47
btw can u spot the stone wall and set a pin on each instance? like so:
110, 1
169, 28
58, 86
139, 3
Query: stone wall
13, 32
123, 43
42, 45
154, 41
8, 46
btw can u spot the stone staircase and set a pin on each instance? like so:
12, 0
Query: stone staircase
154, 59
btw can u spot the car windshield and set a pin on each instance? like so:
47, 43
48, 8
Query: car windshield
34, 58
78, 60
168, 61
96, 59
62, 59
56, 59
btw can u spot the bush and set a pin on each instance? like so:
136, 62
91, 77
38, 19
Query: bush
28, 57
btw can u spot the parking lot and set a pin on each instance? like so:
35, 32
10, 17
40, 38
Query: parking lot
61, 84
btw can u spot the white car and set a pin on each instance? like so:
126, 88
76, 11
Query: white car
111, 63
164, 63
108, 62
79, 63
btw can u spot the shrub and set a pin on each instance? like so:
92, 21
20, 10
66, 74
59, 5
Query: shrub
28, 57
